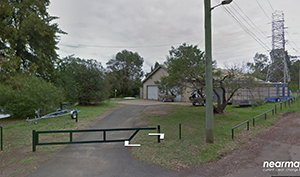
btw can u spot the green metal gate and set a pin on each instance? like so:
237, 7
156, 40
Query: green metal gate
35, 136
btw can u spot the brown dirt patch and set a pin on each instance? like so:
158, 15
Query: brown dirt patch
272, 144
159, 110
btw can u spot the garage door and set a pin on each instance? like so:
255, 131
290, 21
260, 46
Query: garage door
178, 98
152, 92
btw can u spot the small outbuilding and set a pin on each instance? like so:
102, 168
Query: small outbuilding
151, 91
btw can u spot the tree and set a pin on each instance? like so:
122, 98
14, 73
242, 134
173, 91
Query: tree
27, 32
125, 72
22, 94
9, 65
294, 70
186, 68
83, 81
28, 40
259, 68
156, 65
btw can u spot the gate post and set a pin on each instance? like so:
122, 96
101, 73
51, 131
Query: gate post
1, 138
180, 131
158, 131
34, 140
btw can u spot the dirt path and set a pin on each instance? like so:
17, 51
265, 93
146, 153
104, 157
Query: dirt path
279, 143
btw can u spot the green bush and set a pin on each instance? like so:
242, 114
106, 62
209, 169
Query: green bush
83, 81
5, 94
24, 94
258, 103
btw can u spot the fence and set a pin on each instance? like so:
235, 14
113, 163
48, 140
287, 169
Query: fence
265, 115
35, 136
274, 111
245, 122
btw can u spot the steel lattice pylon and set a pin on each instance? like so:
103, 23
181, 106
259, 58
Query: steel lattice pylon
278, 70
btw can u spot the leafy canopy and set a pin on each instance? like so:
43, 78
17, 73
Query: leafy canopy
28, 36
186, 68
125, 72
23, 94
83, 81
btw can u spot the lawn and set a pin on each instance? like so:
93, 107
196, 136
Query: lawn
17, 158
191, 150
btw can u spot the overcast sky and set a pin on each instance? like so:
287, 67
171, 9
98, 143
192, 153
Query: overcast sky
99, 29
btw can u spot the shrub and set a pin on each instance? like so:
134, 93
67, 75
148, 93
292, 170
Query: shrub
258, 103
83, 81
24, 94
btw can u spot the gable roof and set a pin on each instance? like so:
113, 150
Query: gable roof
223, 71
154, 71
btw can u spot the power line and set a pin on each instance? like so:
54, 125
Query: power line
200, 42
263, 10
241, 54
253, 26
298, 49
115, 46
271, 6
243, 26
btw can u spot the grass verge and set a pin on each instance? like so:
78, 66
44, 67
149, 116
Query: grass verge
17, 158
191, 150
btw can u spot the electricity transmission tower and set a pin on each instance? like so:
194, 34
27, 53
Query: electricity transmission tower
278, 69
